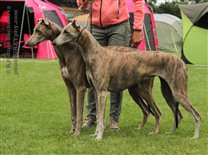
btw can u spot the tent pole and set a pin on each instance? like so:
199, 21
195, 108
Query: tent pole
145, 33
23, 16
174, 43
28, 23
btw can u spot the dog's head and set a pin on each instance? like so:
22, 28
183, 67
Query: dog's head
69, 34
41, 32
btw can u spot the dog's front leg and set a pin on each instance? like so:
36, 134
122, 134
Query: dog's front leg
72, 98
80, 104
101, 103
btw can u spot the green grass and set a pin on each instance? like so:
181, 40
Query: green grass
35, 115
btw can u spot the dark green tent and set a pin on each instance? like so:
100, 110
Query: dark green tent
195, 33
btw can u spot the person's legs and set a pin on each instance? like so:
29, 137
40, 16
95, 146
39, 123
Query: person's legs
99, 35
115, 108
117, 35
113, 35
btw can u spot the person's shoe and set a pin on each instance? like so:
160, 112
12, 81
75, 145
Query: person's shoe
88, 122
114, 125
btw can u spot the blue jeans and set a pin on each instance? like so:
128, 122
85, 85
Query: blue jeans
119, 35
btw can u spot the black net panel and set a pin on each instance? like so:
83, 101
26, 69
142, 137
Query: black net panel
10, 34
148, 31
65, 3
203, 21
53, 16
149, 38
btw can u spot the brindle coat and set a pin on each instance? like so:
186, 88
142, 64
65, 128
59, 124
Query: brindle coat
71, 66
116, 71
73, 73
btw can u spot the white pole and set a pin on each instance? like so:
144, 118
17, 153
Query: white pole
20, 37
28, 23
145, 33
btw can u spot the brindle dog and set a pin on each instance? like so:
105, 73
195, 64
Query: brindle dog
73, 73
71, 66
116, 71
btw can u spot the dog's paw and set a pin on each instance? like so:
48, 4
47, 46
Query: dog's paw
171, 132
150, 133
72, 131
195, 137
93, 135
153, 133
76, 133
138, 128
98, 138
141, 126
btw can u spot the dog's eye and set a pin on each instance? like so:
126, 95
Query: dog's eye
65, 31
38, 32
70, 21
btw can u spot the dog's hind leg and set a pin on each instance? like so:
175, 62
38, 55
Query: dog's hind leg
145, 91
133, 91
197, 118
79, 106
179, 87
172, 103
187, 105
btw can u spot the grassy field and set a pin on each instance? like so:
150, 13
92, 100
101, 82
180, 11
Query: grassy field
35, 114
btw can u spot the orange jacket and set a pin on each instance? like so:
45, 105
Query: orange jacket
110, 12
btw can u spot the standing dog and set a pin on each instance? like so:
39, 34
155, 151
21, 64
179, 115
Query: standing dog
71, 66
73, 73
116, 71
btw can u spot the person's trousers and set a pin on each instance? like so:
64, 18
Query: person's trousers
119, 35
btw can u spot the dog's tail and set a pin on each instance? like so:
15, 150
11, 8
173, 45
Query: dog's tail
176, 114
150, 110
173, 104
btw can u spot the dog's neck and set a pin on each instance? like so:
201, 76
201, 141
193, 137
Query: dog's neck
56, 30
91, 52
89, 44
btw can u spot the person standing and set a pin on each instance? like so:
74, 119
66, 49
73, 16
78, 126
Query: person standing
110, 26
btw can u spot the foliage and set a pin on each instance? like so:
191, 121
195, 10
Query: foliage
171, 7
168, 7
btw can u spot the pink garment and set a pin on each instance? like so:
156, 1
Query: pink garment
109, 12
130, 5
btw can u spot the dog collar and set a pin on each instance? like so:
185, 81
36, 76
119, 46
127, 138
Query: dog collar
80, 34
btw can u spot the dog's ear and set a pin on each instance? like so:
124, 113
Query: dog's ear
70, 21
75, 24
46, 22
40, 19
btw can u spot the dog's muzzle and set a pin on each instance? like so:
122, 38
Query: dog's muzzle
54, 42
27, 44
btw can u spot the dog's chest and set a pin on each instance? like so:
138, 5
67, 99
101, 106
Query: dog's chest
89, 76
65, 73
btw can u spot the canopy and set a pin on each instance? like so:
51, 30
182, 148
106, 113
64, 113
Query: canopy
195, 33
169, 32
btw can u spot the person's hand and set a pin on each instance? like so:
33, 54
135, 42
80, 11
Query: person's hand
84, 6
137, 38
89, 1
